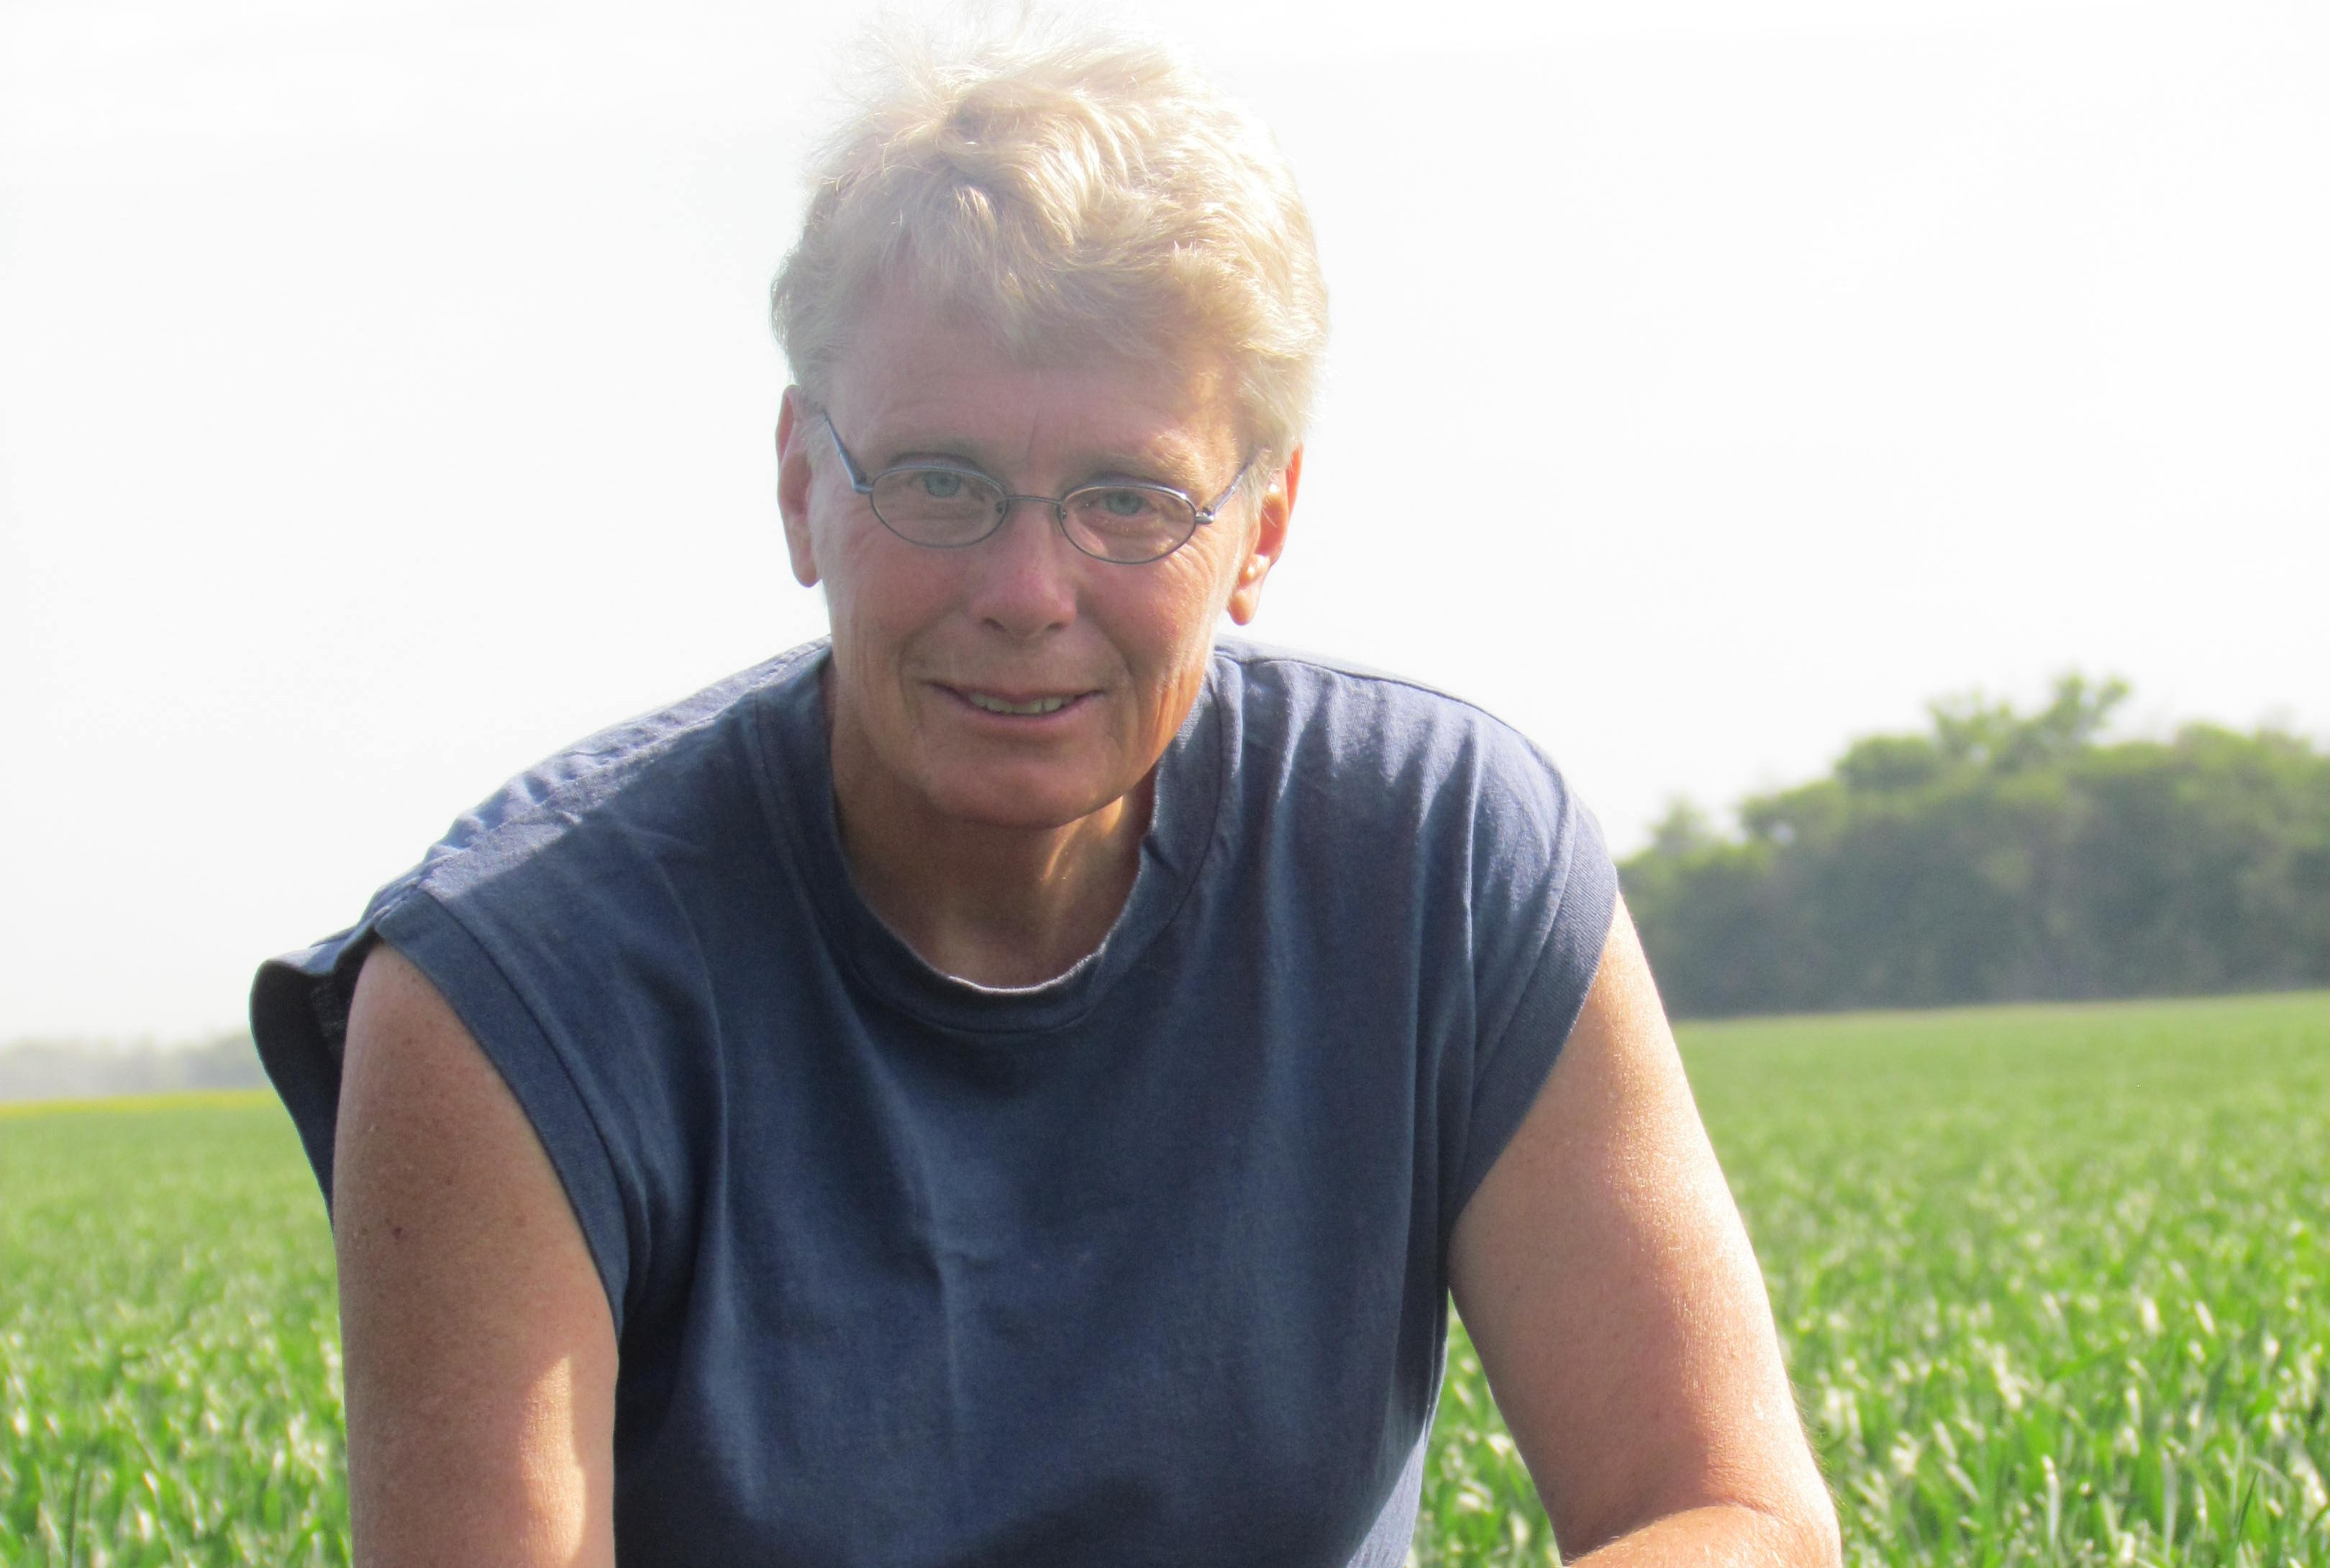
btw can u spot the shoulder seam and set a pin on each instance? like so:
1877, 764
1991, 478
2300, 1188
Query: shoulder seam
1246, 654
594, 760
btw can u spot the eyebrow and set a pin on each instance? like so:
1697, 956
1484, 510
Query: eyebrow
1146, 468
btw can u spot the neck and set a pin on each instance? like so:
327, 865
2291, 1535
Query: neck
997, 906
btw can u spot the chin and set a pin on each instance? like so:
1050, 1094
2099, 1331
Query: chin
1016, 800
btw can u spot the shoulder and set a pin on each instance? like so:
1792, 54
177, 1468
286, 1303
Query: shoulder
1307, 683
571, 922
1428, 837
604, 875
564, 922
1387, 793
657, 782
1379, 742
1287, 697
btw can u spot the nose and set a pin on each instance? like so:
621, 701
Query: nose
1024, 576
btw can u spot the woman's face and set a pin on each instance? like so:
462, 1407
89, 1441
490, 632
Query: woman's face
938, 655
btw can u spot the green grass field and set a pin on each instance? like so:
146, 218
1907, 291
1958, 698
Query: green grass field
2053, 1284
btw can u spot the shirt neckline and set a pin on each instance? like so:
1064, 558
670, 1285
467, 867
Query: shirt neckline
798, 763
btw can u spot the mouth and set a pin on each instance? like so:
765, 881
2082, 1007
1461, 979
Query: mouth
1017, 704
1002, 706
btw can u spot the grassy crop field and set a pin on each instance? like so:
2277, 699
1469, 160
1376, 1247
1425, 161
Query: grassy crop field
2053, 1284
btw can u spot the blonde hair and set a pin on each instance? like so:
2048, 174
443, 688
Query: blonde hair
1068, 190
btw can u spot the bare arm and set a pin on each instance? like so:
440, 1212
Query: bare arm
1606, 1280
480, 1354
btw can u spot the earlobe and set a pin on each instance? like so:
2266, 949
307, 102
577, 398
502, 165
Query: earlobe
794, 478
1245, 597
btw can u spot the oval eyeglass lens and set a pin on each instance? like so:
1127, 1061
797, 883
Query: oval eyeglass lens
1128, 521
937, 506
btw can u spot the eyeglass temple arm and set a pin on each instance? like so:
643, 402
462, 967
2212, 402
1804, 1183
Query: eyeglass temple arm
857, 479
1205, 512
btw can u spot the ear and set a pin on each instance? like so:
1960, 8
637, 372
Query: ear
794, 478
1269, 540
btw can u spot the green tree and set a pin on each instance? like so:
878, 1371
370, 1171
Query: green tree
2000, 856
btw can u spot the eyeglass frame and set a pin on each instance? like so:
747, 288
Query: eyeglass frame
863, 483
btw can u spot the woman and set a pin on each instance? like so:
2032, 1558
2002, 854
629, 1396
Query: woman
1015, 1081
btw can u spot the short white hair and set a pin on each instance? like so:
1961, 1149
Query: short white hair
1065, 188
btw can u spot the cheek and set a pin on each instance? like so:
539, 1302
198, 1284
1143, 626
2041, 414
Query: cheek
1167, 639
1167, 633
1191, 602
872, 594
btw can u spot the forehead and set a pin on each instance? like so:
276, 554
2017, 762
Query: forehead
913, 378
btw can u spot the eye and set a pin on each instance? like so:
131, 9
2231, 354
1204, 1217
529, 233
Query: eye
940, 485
1125, 504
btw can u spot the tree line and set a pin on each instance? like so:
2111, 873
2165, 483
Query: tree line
2000, 856
86, 1069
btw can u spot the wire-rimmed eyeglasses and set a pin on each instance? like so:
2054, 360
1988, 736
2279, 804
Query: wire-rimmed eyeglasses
951, 505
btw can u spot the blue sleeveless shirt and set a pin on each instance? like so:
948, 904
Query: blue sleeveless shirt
1146, 1264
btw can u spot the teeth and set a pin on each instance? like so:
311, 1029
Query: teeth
998, 705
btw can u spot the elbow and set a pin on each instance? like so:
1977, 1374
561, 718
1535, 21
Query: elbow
1806, 1535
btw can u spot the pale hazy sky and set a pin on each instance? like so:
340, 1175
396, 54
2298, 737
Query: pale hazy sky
384, 400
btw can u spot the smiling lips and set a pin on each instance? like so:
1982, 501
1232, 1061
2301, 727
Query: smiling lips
1016, 707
